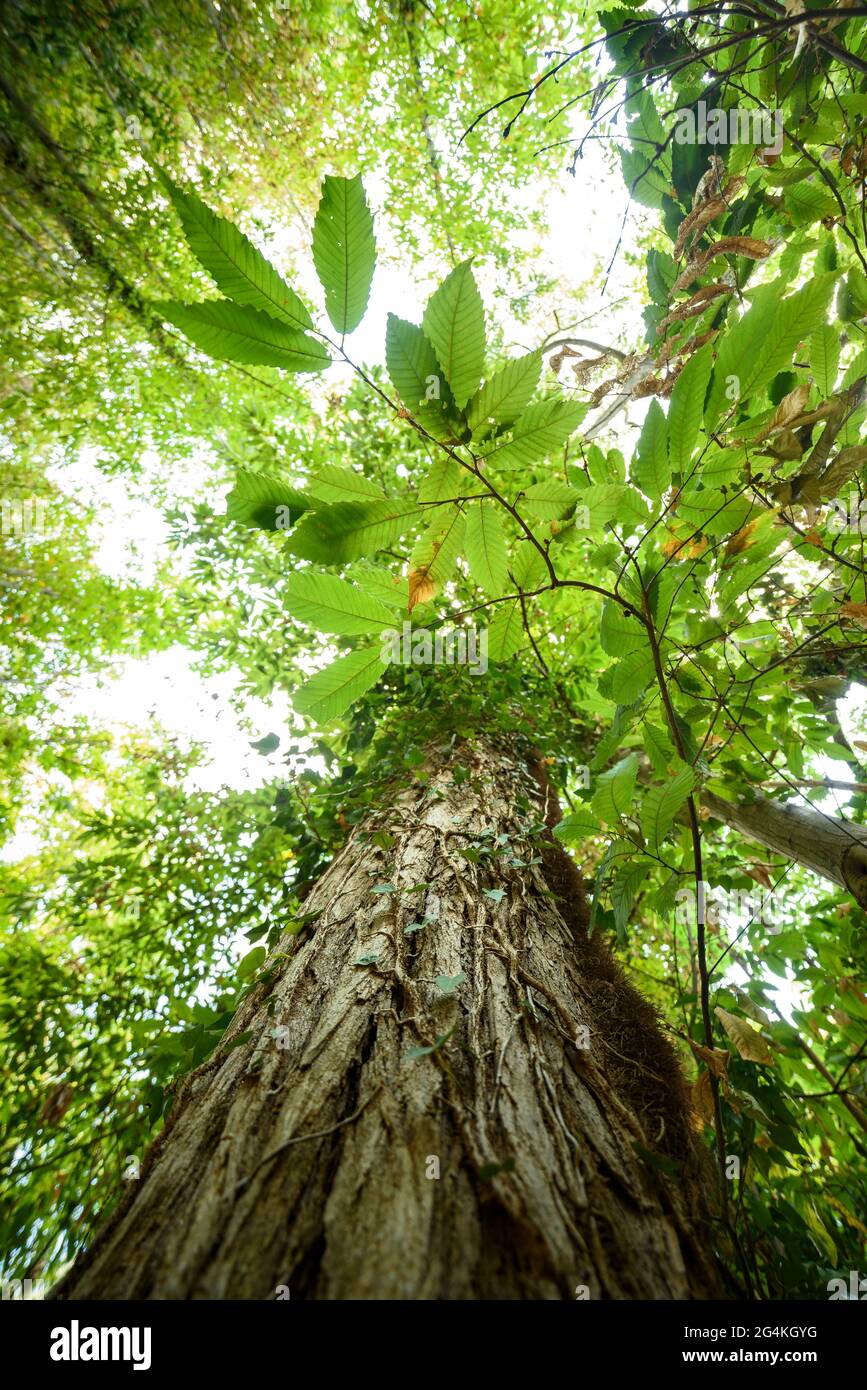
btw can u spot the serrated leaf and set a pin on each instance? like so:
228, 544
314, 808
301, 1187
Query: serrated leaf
257, 499
651, 469
454, 323
528, 567
687, 407
855, 370
620, 633
485, 545
762, 342
443, 482
332, 483
344, 250
624, 890
419, 380
433, 558
825, 358
331, 691
507, 394
614, 790
575, 828
236, 333
659, 748
541, 429
551, 500
236, 267
604, 503
506, 633
333, 605
661, 804
630, 677
375, 580
344, 531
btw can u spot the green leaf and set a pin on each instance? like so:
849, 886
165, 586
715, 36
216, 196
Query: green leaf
528, 567
855, 370
651, 469
486, 548
330, 692
333, 605
236, 333
260, 500
454, 323
437, 549
332, 483
661, 804
630, 677
541, 429
762, 342
659, 748
443, 482
604, 503
251, 962
237, 268
344, 250
447, 984
506, 633
575, 828
687, 407
419, 380
489, 1171
808, 202
373, 579
624, 890
619, 632
415, 1052
269, 744
332, 535
614, 790
507, 394
552, 500
825, 358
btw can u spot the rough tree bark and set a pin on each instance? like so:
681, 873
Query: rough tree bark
307, 1156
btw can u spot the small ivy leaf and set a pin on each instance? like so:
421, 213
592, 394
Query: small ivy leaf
382, 839
415, 1052
237, 1042
370, 959
383, 888
251, 961
266, 745
495, 894
447, 984
492, 1170
413, 927
670, 1166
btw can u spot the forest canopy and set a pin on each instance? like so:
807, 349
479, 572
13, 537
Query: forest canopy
423, 381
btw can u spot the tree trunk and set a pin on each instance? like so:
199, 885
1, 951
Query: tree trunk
387, 1132
834, 848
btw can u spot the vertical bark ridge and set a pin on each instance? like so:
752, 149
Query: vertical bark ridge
305, 1157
